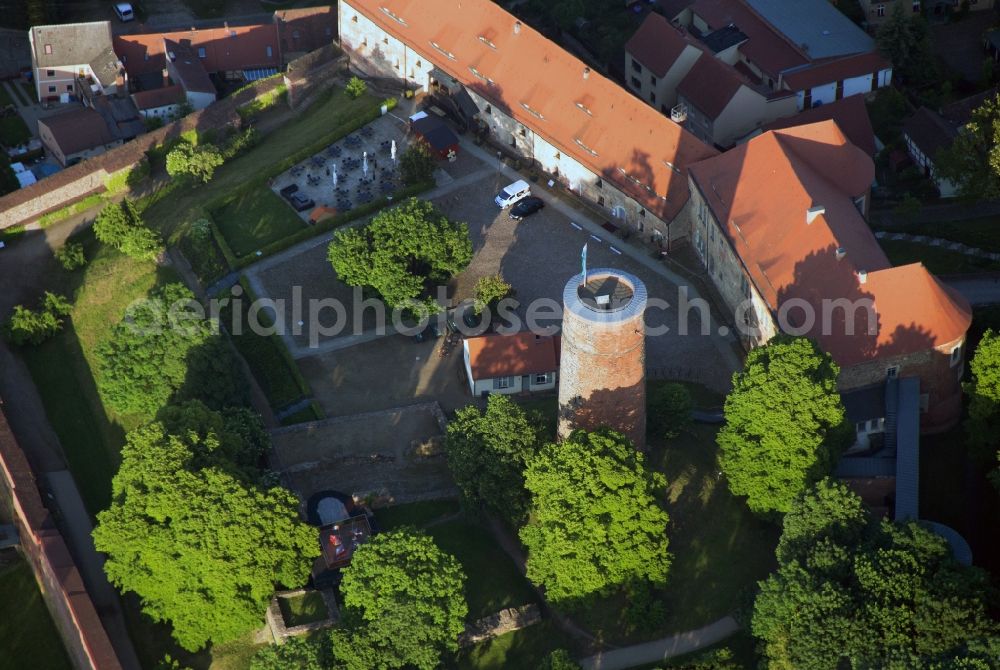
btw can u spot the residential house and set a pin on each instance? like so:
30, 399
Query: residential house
162, 103
75, 135
511, 363
779, 227
536, 99
850, 115
771, 59
71, 56
185, 67
878, 11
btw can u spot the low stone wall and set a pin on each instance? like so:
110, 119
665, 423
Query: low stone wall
504, 621
277, 632
62, 587
308, 76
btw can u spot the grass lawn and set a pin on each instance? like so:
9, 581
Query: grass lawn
414, 514
935, 259
720, 550
523, 648
982, 233
185, 204
255, 219
65, 367
303, 609
493, 581
13, 131
28, 636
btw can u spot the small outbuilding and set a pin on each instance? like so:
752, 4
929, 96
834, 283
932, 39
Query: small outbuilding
439, 137
518, 363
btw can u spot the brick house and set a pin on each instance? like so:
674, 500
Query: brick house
535, 98
779, 227
730, 66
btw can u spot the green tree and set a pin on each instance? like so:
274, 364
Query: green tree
849, 592
71, 256
972, 162
164, 350
784, 423
8, 180
356, 87
298, 653
403, 604
670, 409
417, 164
202, 549
121, 226
905, 40
34, 327
197, 162
595, 522
401, 252
559, 659
490, 290
488, 452
983, 420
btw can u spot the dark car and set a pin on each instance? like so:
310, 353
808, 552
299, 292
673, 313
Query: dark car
526, 207
301, 202
287, 192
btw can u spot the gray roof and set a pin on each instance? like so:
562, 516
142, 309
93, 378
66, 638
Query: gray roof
72, 43
908, 450
816, 26
865, 467
864, 403
105, 66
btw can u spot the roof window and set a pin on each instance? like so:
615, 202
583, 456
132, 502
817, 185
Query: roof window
442, 50
392, 15
532, 111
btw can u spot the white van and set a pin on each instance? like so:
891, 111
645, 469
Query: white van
511, 194
123, 11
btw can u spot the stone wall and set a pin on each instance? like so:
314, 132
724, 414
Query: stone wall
504, 621
309, 76
62, 587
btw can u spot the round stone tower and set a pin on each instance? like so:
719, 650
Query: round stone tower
602, 367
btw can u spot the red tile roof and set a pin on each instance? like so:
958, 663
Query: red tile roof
232, 48
850, 114
766, 47
760, 192
78, 130
159, 97
611, 132
188, 66
856, 65
510, 355
656, 44
709, 85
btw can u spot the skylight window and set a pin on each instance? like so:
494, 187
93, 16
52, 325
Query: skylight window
586, 109
672, 167
392, 15
480, 75
584, 146
533, 112
442, 50
485, 40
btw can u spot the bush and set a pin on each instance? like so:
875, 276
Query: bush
127, 178
71, 256
670, 410
34, 327
240, 142
121, 226
198, 162
356, 88
417, 164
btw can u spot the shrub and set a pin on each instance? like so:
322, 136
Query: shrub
121, 226
71, 256
356, 88
198, 162
34, 327
417, 164
670, 410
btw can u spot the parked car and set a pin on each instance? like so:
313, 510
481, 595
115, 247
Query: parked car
124, 12
301, 202
287, 192
526, 207
512, 193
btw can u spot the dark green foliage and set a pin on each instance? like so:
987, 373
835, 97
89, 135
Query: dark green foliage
34, 327
487, 454
165, 350
904, 39
403, 604
298, 653
8, 180
201, 548
784, 423
595, 522
670, 410
973, 160
490, 290
853, 593
355, 88
71, 256
417, 164
983, 421
121, 226
402, 252
197, 162
559, 660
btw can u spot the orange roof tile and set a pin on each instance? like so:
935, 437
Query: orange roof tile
509, 355
850, 113
232, 48
766, 47
836, 70
760, 192
709, 85
535, 81
656, 44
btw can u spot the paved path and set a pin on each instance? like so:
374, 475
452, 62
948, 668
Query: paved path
980, 291
957, 247
658, 650
951, 211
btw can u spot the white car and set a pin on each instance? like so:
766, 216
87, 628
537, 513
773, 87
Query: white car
511, 194
124, 12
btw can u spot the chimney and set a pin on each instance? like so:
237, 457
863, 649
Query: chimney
517, 27
586, 72
813, 212
841, 252
862, 276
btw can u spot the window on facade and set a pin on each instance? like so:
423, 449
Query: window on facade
636, 83
956, 355
69, 87
642, 213
880, 9
859, 427
201, 52
354, 19
269, 52
636, 66
295, 34
489, 109
599, 183
385, 40
600, 200
502, 383
807, 98
558, 156
52, 89
744, 285
524, 131
420, 64
652, 97
48, 48
840, 89
50, 73
543, 378
916, 7
892, 372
